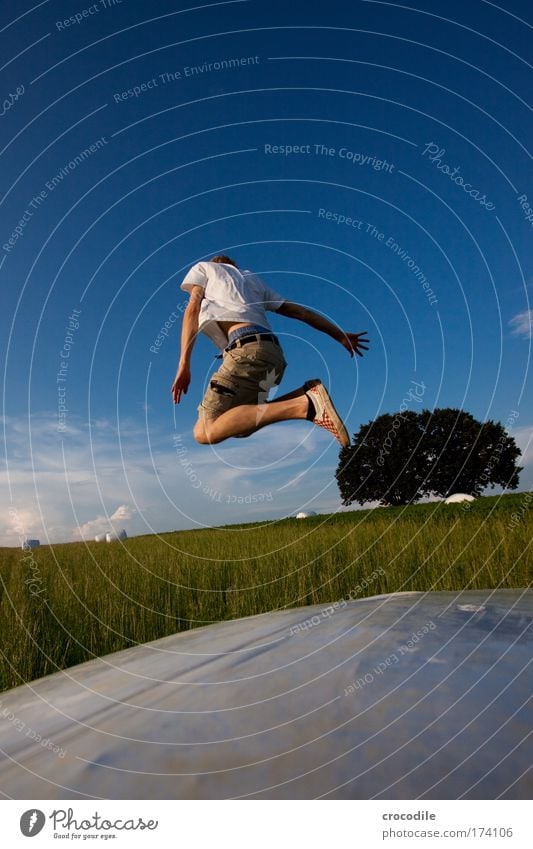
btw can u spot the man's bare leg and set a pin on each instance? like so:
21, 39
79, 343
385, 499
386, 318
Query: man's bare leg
296, 393
248, 418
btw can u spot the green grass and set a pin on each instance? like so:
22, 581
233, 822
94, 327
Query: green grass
86, 600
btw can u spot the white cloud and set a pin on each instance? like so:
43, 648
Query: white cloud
521, 324
21, 522
103, 524
73, 485
524, 439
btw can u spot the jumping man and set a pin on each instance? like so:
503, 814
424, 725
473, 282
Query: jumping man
229, 305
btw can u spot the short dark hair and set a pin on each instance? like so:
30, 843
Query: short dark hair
223, 258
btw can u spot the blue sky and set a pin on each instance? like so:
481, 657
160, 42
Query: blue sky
369, 160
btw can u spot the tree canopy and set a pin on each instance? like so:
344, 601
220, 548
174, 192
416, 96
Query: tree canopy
399, 458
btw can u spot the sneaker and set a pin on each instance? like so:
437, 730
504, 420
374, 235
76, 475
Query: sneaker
326, 415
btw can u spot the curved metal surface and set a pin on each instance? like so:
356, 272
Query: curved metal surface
402, 696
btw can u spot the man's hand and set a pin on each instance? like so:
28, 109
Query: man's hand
354, 342
181, 383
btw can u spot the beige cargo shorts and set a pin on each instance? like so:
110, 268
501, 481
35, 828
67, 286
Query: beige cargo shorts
246, 375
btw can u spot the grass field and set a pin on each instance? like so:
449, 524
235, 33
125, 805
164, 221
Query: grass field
68, 603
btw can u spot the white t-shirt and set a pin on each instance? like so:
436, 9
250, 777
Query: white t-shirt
230, 294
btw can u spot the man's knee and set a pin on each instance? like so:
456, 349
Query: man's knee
204, 432
200, 433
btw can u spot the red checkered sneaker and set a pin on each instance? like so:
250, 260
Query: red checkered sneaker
326, 414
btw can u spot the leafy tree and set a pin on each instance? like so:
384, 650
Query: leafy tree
398, 459
467, 455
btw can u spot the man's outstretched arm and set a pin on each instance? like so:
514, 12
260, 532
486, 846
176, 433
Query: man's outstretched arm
351, 341
189, 332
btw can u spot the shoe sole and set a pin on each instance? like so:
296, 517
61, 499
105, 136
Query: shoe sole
332, 413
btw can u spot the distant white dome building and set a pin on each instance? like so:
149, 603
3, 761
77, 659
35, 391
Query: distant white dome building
305, 514
100, 537
114, 535
28, 544
457, 497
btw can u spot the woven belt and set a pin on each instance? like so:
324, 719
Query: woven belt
255, 337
